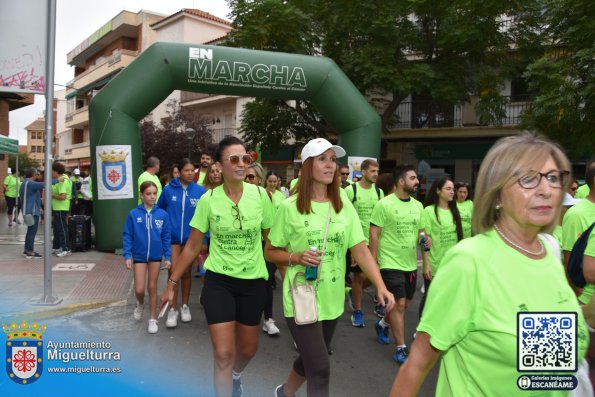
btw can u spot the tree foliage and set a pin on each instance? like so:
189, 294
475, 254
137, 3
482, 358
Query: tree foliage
168, 140
446, 50
564, 76
24, 162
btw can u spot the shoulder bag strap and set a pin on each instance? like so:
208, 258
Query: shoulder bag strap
328, 221
24, 209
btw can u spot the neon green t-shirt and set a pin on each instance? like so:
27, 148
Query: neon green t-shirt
236, 244
443, 232
466, 212
298, 232
292, 183
11, 186
582, 192
59, 188
365, 200
400, 222
471, 314
278, 198
147, 176
201, 177
576, 220
557, 233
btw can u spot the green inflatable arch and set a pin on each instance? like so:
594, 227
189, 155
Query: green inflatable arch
116, 110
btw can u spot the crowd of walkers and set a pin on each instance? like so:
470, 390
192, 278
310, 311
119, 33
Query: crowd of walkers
483, 261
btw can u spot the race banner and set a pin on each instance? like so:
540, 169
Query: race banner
114, 172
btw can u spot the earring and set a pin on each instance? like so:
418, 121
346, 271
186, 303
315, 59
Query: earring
498, 207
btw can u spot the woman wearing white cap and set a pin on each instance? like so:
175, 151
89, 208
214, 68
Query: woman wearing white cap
300, 223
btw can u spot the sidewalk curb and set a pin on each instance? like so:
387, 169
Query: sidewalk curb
43, 314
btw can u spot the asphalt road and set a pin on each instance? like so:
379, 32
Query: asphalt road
182, 357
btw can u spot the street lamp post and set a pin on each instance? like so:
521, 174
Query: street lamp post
190, 133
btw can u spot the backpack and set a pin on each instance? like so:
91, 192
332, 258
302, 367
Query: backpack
354, 186
577, 257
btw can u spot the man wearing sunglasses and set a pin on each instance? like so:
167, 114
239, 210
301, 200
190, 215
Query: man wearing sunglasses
344, 171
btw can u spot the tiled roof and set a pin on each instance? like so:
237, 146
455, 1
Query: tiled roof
196, 13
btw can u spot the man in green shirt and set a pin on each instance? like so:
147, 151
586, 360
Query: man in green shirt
395, 226
61, 195
364, 195
576, 220
344, 171
10, 194
205, 160
150, 174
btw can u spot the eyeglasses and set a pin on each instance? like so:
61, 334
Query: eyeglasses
533, 179
235, 159
235, 212
574, 189
345, 173
250, 176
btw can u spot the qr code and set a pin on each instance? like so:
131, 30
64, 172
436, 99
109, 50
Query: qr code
547, 341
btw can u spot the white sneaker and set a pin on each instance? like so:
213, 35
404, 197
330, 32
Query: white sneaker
138, 311
153, 328
63, 254
185, 314
270, 328
172, 319
56, 251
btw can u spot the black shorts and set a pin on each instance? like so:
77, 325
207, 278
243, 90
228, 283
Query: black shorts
400, 283
228, 299
10, 203
150, 260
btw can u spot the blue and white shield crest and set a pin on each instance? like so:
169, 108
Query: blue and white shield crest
24, 360
114, 174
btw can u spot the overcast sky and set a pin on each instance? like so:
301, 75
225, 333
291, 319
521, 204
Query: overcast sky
75, 21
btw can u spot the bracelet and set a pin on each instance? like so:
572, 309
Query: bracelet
289, 261
172, 281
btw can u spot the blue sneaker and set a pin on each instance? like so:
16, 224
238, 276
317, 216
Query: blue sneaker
381, 333
357, 319
401, 355
379, 310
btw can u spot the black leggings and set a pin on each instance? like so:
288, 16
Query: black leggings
313, 342
268, 303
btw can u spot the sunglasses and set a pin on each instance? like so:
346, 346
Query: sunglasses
345, 173
235, 212
235, 159
250, 176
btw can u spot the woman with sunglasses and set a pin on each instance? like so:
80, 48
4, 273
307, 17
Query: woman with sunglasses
489, 312
465, 206
238, 215
300, 223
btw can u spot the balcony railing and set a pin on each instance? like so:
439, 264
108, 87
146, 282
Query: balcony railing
220, 133
431, 114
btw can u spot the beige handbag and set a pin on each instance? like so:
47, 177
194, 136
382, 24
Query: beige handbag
305, 309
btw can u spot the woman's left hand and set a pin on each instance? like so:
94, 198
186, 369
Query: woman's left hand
384, 296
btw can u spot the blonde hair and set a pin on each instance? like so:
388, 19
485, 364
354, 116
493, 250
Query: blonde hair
506, 161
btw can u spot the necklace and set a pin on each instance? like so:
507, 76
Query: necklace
541, 251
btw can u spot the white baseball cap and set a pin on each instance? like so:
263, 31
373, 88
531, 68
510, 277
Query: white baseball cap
77, 171
9, 170
569, 201
318, 146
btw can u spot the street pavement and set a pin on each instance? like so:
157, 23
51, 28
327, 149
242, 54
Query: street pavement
97, 301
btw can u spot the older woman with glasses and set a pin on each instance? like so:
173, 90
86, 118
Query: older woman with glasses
238, 215
492, 305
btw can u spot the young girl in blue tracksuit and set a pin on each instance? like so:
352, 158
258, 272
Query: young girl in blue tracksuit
146, 241
179, 198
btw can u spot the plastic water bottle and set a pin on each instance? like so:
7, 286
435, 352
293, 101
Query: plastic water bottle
312, 272
423, 241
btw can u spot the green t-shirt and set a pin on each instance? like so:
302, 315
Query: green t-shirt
59, 188
293, 183
298, 232
77, 179
582, 192
11, 186
400, 222
443, 232
471, 314
147, 176
557, 233
236, 245
466, 212
201, 177
576, 220
365, 201
278, 198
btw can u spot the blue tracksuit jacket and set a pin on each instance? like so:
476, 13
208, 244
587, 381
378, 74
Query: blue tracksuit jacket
147, 235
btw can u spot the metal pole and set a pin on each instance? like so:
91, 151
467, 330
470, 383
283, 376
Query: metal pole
47, 298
